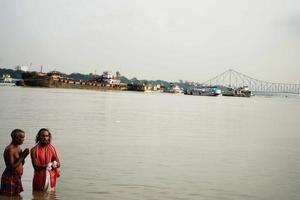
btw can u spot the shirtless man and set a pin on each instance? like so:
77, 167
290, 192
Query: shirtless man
14, 159
45, 162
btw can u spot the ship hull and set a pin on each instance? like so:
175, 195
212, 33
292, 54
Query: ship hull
36, 79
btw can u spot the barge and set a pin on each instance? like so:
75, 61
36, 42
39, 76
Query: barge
55, 79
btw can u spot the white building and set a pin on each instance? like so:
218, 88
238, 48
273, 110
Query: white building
109, 78
23, 68
107, 75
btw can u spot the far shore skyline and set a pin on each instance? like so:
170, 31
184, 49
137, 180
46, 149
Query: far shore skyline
139, 78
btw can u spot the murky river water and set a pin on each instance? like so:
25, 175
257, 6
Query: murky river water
128, 145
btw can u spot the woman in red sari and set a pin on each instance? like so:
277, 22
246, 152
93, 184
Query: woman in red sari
45, 162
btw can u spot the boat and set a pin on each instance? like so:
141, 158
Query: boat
175, 89
204, 91
7, 80
38, 79
56, 79
242, 92
144, 87
237, 92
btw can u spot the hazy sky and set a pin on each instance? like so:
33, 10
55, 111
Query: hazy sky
154, 39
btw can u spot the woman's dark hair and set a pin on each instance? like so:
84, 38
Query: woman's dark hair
37, 138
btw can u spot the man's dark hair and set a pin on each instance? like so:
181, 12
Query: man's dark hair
37, 138
14, 134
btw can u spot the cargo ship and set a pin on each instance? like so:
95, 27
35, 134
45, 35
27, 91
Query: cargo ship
56, 79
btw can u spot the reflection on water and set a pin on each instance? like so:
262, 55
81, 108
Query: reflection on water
44, 195
129, 145
35, 196
18, 197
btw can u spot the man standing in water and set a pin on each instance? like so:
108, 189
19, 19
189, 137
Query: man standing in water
45, 162
14, 159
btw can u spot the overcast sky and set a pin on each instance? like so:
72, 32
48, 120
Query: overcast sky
154, 39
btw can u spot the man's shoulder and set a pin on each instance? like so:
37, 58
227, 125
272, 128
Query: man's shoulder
11, 149
33, 148
50, 147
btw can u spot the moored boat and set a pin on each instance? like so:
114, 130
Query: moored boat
242, 92
56, 79
6, 80
174, 89
36, 79
204, 91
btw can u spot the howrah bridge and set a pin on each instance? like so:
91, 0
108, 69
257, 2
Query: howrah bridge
234, 79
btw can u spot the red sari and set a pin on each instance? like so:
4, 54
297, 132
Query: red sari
44, 156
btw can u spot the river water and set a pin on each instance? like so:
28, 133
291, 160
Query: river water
130, 145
